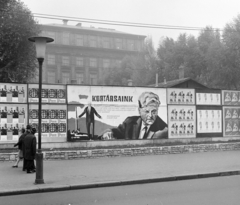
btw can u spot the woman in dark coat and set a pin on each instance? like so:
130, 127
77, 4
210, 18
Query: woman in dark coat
30, 149
20, 148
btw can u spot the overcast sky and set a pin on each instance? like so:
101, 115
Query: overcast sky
190, 13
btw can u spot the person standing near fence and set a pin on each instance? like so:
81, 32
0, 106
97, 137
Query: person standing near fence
20, 148
30, 149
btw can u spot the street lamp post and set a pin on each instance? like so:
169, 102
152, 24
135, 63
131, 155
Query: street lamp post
40, 43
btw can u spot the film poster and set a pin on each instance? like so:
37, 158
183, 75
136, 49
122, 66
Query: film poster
13, 117
209, 121
231, 97
181, 96
208, 99
13, 93
54, 122
182, 121
50, 93
231, 121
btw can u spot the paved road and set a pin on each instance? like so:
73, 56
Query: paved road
215, 191
68, 174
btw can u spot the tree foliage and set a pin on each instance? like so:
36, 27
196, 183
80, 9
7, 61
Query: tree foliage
140, 69
17, 54
210, 59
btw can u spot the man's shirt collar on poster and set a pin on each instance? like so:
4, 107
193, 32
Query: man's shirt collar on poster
142, 130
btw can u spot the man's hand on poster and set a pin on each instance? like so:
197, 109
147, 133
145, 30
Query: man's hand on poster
161, 134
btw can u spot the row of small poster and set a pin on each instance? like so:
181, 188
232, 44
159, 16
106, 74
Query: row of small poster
19, 93
14, 117
23, 93
183, 121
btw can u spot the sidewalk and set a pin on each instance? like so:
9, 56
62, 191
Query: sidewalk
89, 173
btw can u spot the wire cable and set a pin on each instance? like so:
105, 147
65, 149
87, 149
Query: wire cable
118, 23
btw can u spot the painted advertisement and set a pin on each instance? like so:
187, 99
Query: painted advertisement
54, 121
230, 97
111, 107
50, 93
13, 93
181, 96
13, 118
209, 121
231, 121
182, 121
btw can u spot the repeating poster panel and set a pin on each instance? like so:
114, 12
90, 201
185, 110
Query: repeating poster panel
54, 121
209, 121
181, 96
13, 93
181, 121
208, 98
231, 121
230, 97
50, 93
13, 117
113, 104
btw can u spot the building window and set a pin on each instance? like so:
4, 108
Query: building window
65, 60
65, 78
51, 59
79, 78
93, 41
65, 38
106, 42
130, 45
79, 61
51, 77
93, 62
118, 43
79, 39
93, 79
106, 63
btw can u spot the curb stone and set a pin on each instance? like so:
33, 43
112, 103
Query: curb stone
117, 183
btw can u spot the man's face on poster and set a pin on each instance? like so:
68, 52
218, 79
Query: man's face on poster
149, 114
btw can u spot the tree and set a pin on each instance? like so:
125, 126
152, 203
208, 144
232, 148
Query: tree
231, 61
17, 54
140, 69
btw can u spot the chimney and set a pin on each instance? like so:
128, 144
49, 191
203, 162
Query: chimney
79, 24
65, 21
130, 83
181, 71
165, 81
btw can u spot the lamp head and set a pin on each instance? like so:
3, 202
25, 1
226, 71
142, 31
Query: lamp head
40, 42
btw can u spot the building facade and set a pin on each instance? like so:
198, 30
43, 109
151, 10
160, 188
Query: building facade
84, 55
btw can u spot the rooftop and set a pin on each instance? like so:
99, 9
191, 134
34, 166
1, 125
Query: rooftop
79, 26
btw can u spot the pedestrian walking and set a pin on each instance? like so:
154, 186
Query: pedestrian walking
30, 149
20, 145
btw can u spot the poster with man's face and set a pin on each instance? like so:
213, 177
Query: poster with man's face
113, 104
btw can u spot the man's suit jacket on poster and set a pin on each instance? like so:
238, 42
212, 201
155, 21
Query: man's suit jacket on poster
89, 116
130, 128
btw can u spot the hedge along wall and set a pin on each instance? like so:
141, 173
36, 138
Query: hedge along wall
189, 113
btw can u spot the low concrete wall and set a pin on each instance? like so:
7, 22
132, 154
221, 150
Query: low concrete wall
118, 152
126, 143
